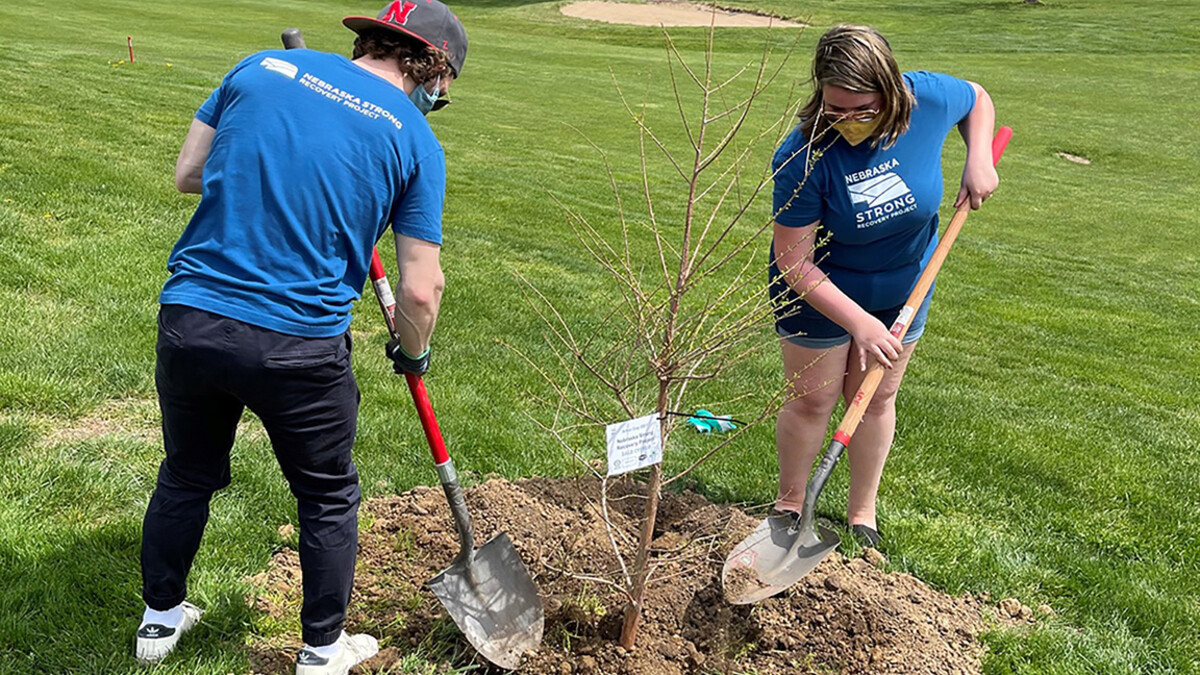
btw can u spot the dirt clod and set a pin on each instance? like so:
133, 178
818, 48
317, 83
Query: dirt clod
1013, 609
874, 557
846, 616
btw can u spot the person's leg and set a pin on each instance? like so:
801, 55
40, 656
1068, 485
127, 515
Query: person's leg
307, 398
873, 440
869, 446
199, 421
815, 376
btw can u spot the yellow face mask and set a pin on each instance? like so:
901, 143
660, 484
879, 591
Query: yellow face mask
858, 128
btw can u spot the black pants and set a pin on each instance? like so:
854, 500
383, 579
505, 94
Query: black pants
209, 369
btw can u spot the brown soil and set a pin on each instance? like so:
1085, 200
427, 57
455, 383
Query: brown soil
847, 616
742, 581
670, 14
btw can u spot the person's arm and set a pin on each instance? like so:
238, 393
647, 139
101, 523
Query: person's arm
794, 248
418, 292
979, 179
189, 167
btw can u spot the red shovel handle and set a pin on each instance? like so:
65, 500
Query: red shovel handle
387, 304
433, 433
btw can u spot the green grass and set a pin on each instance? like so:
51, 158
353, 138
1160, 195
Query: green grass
1048, 426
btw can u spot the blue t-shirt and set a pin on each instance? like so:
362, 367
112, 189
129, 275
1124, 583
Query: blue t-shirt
878, 208
312, 158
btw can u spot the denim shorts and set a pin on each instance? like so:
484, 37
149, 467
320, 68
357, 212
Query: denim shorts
806, 327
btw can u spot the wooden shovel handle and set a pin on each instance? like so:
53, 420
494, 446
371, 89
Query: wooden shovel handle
858, 405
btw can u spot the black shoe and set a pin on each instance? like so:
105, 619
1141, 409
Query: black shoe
867, 536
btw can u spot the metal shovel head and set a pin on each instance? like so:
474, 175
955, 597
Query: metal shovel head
494, 602
775, 556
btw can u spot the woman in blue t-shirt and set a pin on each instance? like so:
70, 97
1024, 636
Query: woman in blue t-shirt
857, 188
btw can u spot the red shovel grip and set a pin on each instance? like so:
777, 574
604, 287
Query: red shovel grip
377, 271
999, 143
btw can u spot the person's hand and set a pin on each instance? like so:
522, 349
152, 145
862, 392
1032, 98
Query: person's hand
875, 342
403, 363
979, 181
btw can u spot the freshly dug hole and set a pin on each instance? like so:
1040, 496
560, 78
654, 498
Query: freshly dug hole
846, 616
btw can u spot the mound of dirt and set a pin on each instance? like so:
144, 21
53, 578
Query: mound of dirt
671, 14
847, 616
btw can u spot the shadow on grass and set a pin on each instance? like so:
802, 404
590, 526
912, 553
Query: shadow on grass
73, 607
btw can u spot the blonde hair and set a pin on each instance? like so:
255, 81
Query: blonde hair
858, 59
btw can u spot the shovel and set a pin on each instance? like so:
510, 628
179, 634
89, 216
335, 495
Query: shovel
782, 549
487, 591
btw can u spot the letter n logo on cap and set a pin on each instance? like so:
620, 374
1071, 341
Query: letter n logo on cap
398, 12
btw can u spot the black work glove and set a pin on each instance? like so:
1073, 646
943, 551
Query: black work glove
403, 363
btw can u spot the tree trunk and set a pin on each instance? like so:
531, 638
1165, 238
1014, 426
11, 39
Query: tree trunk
633, 611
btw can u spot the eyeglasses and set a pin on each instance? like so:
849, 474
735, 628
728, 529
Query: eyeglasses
851, 116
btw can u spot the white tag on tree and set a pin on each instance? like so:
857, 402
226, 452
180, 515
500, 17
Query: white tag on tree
634, 444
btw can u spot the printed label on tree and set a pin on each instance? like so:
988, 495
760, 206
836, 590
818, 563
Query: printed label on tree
634, 444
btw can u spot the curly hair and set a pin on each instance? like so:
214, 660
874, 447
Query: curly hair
859, 59
420, 61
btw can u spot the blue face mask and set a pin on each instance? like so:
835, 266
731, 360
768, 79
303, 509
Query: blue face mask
423, 99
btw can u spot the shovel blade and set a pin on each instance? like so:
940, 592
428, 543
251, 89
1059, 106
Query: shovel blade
774, 556
493, 601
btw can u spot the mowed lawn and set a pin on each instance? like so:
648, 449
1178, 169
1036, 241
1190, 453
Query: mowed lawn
1048, 440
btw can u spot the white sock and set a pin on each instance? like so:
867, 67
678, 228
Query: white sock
169, 618
326, 652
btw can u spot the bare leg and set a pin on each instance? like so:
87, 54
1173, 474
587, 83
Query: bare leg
869, 447
815, 376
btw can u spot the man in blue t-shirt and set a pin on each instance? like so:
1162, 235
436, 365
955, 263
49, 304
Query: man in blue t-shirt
302, 159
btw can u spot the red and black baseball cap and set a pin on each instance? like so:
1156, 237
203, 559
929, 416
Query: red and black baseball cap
429, 21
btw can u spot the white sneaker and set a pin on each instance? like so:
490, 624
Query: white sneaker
354, 650
154, 640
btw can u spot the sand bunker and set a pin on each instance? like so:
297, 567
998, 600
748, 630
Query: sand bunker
670, 14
